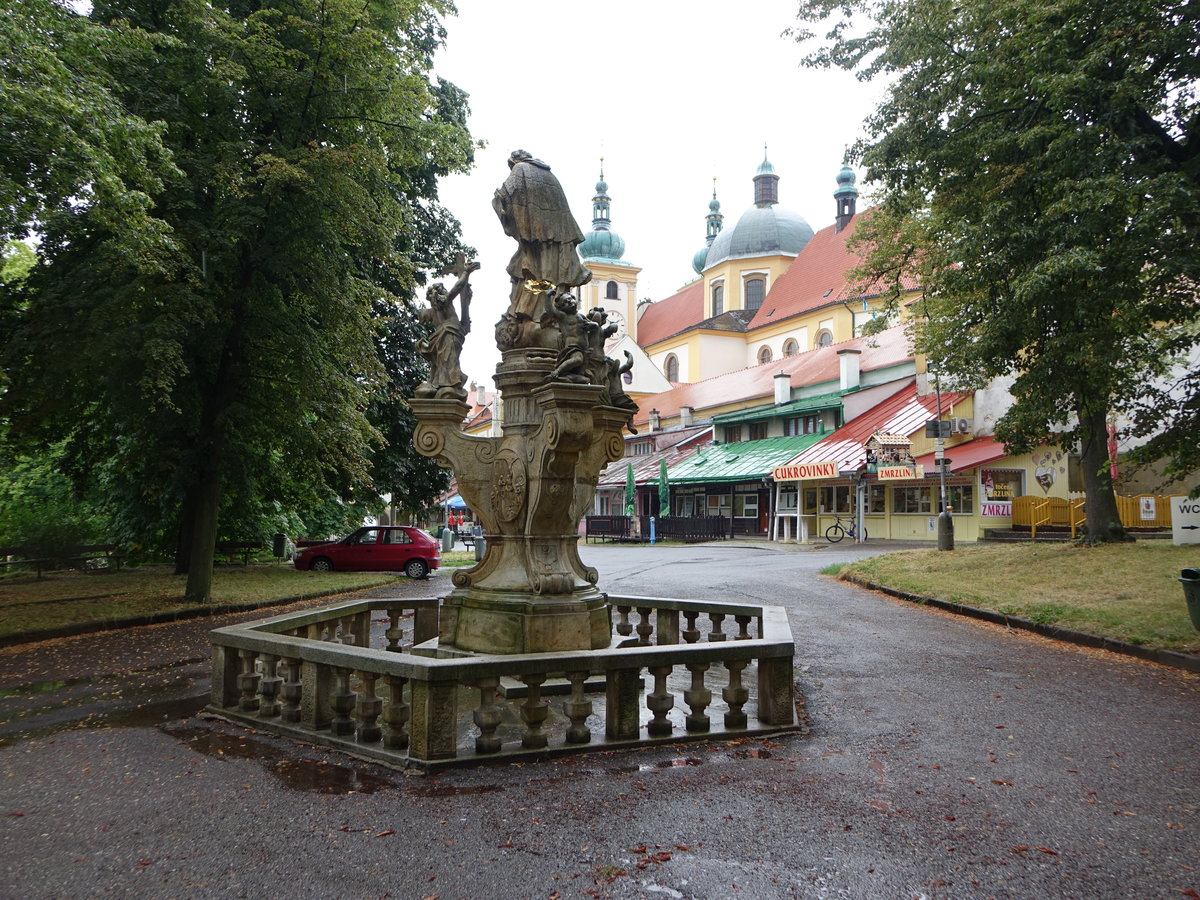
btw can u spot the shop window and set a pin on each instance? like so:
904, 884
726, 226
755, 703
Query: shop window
745, 506
788, 500
718, 299
756, 290
602, 505
758, 431
961, 498
671, 368
915, 499
791, 347
876, 498
685, 505
719, 505
835, 498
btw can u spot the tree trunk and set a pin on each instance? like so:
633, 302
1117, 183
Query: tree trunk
187, 528
205, 506
1103, 522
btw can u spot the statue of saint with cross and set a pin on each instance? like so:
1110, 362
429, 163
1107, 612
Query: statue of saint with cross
449, 330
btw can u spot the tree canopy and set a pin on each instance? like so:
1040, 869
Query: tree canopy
1037, 167
239, 364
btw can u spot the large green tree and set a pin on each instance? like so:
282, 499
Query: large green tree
1038, 164
65, 137
234, 366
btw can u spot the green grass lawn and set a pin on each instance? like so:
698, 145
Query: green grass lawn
1129, 592
70, 598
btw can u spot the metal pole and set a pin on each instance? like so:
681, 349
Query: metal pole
945, 532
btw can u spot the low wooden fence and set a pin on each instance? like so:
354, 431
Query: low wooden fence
689, 529
1142, 511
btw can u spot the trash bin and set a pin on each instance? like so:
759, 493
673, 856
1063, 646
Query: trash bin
448, 540
440, 531
1190, 579
480, 543
279, 545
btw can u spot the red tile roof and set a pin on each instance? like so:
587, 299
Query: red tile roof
979, 452
757, 382
674, 314
480, 401
818, 277
902, 413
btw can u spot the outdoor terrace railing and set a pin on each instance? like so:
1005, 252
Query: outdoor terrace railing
345, 677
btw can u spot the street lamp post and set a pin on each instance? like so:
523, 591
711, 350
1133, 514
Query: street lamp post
945, 521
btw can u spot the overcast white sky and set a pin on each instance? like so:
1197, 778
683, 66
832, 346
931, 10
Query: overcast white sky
670, 93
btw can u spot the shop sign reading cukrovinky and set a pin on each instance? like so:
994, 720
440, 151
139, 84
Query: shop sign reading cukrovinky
805, 471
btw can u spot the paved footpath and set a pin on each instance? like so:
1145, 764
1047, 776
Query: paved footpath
947, 759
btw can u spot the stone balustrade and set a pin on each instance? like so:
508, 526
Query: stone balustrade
364, 677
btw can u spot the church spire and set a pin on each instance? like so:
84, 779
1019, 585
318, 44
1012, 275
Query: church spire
766, 183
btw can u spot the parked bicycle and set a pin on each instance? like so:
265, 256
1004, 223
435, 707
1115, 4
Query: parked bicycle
843, 528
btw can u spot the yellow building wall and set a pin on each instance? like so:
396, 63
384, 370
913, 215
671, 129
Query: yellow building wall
591, 294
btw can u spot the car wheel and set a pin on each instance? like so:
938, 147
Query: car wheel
321, 564
416, 568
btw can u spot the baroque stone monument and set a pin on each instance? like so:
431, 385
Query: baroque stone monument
564, 411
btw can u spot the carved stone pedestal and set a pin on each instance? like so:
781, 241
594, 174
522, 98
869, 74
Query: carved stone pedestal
529, 487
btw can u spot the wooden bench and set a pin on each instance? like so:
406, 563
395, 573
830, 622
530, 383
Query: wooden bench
244, 549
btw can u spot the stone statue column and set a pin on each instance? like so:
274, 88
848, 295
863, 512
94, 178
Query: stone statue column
531, 485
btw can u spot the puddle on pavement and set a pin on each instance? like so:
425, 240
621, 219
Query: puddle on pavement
753, 753
451, 790
154, 713
322, 777
41, 687
215, 743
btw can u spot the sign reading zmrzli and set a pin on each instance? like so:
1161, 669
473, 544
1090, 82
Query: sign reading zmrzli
805, 471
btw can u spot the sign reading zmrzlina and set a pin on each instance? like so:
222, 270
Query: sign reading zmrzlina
805, 471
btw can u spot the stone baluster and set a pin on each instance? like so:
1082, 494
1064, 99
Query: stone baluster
533, 713
345, 627
487, 716
248, 681
315, 710
666, 626
697, 697
395, 632
691, 634
660, 702
622, 705
341, 703
644, 628
577, 708
716, 634
743, 623
624, 628
268, 686
369, 708
775, 700
735, 695
290, 690
395, 714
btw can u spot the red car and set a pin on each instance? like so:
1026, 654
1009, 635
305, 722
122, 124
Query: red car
376, 548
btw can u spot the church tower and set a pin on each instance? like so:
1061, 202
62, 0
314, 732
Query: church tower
614, 281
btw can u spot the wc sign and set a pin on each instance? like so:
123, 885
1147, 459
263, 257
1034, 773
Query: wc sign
1185, 520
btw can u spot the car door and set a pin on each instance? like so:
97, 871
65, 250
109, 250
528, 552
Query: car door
396, 549
361, 551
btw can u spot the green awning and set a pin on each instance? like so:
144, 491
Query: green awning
796, 407
740, 461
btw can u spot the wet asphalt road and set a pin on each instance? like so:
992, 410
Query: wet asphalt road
947, 758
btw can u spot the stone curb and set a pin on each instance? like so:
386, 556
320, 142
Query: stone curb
1184, 661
